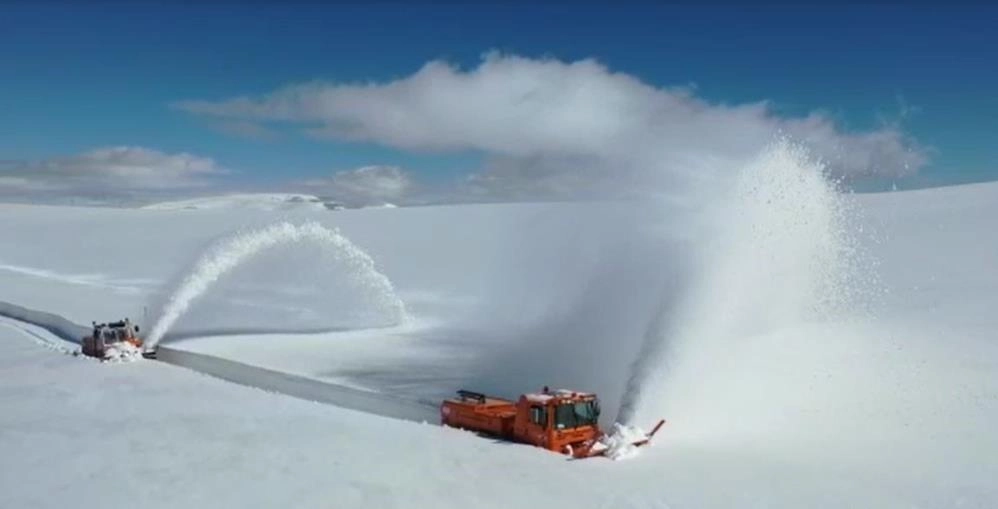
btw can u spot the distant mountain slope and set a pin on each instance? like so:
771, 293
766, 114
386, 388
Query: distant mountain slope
258, 201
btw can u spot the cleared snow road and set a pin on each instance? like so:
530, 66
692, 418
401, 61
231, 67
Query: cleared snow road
59, 333
301, 387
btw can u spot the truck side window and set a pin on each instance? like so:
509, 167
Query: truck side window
539, 416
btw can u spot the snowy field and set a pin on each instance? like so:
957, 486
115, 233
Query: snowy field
811, 351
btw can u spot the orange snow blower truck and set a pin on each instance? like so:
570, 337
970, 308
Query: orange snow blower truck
561, 421
106, 335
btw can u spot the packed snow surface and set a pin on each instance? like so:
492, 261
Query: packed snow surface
808, 349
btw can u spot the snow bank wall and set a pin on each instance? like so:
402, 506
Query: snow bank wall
57, 325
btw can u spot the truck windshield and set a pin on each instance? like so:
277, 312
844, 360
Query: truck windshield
573, 415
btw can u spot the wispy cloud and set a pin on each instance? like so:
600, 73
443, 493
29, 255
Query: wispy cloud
107, 173
563, 128
364, 186
547, 129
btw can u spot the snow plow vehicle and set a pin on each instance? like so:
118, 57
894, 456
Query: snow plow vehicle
562, 421
112, 340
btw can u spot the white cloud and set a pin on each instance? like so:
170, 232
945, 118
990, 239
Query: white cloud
567, 128
107, 172
364, 186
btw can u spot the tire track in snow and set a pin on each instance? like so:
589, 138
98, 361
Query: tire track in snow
37, 335
61, 328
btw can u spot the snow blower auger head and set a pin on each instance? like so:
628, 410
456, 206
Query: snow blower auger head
112, 340
562, 421
620, 443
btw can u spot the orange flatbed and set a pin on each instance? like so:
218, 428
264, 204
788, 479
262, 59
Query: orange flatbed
481, 413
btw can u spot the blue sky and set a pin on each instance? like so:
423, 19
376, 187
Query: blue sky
75, 78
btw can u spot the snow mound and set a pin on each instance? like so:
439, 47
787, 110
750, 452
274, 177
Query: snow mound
256, 201
122, 352
619, 445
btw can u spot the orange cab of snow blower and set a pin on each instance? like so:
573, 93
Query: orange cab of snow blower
562, 421
105, 335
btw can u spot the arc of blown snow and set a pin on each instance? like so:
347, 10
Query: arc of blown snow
230, 253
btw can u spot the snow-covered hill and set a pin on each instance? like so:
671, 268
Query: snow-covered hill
258, 201
892, 404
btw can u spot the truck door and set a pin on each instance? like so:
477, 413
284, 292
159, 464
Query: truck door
538, 425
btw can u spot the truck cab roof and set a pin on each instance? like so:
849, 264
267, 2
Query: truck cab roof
558, 394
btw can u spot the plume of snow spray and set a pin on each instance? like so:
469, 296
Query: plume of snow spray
231, 252
780, 253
